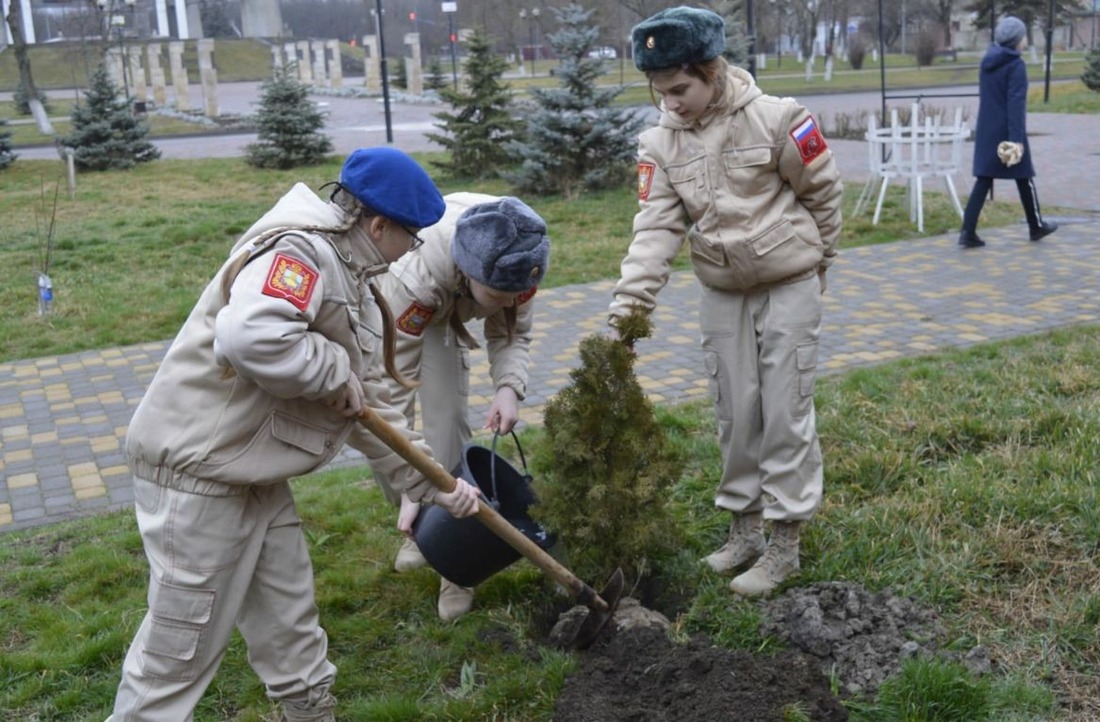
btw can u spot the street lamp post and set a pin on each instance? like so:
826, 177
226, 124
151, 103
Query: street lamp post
115, 19
450, 8
534, 15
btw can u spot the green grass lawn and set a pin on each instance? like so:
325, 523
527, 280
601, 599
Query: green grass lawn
127, 277
966, 480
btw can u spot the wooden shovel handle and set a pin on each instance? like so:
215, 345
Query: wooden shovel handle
441, 479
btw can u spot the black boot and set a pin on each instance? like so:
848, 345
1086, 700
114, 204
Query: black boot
1043, 230
969, 239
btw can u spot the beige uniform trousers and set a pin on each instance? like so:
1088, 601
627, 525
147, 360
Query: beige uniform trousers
760, 351
221, 556
444, 398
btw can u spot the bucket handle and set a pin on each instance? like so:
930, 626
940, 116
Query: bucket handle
493, 466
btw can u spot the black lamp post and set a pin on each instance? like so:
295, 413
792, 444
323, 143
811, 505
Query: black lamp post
115, 19
450, 8
534, 15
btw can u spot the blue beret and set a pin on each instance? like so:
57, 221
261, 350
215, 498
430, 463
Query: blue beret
503, 245
393, 185
676, 37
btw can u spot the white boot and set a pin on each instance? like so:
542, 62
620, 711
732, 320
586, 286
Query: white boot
454, 601
408, 557
780, 561
324, 710
745, 544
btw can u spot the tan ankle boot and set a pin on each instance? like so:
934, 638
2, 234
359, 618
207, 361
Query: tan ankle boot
745, 543
408, 557
454, 601
780, 561
324, 710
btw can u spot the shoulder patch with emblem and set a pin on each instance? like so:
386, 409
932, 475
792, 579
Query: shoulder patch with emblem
290, 279
645, 179
415, 319
526, 295
810, 142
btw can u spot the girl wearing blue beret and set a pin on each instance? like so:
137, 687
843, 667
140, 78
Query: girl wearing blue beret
264, 382
748, 181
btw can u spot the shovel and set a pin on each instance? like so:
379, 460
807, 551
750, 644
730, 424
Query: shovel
601, 606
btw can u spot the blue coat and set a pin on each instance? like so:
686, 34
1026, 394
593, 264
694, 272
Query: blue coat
1002, 113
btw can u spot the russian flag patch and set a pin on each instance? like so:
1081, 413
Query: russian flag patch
809, 140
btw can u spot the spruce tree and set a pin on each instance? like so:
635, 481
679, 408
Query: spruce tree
106, 135
289, 125
575, 139
737, 40
1091, 76
435, 80
480, 120
7, 156
605, 467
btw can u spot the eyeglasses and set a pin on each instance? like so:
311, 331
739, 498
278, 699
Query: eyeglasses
417, 241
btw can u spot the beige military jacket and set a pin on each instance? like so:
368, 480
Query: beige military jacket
240, 397
422, 288
751, 186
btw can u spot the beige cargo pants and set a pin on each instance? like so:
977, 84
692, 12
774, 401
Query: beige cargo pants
221, 556
760, 351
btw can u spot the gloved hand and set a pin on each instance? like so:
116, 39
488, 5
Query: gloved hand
1010, 153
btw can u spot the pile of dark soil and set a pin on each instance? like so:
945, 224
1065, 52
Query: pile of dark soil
635, 673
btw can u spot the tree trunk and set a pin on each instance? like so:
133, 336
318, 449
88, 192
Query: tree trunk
24, 63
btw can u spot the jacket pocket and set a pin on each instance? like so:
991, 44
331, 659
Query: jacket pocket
689, 182
284, 445
702, 250
179, 618
749, 170
779, 253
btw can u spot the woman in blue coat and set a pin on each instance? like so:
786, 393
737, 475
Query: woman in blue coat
1000, 145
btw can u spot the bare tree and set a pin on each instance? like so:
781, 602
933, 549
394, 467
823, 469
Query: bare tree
22, 59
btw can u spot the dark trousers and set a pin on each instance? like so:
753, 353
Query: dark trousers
1029, 198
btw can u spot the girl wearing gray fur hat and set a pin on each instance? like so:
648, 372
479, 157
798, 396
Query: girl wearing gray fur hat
1001, 149
483, 260
748, 181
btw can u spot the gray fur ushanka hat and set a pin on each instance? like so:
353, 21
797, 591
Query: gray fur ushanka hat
503, 245
677, 37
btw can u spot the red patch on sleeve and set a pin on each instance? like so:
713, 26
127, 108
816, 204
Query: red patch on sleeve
415, 319
292, 280
810, 142
645, 179
526, 296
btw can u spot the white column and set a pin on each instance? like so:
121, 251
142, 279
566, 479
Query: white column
335, 70
162, 18
181, 19
28, 21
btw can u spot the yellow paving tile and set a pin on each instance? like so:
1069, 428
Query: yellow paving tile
22, 481
83, 469
88, 481
11, 411
44, 437
11, 433
20, 455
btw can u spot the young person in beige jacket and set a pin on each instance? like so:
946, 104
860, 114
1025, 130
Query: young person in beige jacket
264, 382
482, 261
747, 180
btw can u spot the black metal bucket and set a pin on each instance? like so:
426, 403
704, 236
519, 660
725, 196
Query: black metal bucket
465, 551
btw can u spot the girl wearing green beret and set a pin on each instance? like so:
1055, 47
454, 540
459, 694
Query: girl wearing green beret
748, 181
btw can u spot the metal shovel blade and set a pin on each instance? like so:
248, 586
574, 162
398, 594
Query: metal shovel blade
598, 618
